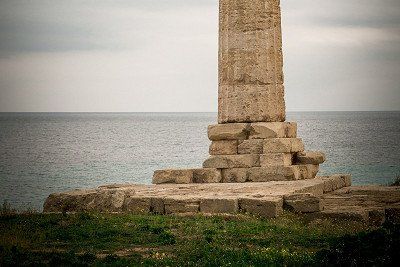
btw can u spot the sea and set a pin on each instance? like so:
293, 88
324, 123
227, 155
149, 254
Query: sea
43, 153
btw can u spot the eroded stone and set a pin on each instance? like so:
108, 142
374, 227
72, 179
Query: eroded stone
235, 175
207, 175
276, 159
265, 207
232, 161
224, 147
303, 203
229, 131
173, 177
309, 157
283, 145
263, 130
252, 146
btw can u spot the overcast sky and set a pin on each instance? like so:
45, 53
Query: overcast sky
161, 55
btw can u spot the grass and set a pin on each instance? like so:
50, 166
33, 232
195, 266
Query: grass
150, 240
396, 181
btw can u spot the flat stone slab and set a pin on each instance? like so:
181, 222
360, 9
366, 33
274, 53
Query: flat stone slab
264, 199
372, 204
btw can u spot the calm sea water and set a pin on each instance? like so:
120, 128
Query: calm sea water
41, 153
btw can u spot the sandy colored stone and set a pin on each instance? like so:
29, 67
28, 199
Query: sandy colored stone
250, 62
173, 177
283, 145
251, 103
232, 161
302, 203
207, 175
219, 205
265, 207
224, 147
276, 159
137, 205
263, 130
235, 175
309, 157
274, 173
308, 171
253, 146
157, 205
181, 205
229, 131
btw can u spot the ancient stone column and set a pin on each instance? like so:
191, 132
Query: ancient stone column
250, 62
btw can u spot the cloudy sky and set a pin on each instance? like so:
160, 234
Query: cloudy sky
161, 55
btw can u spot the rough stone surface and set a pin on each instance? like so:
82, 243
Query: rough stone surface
173, 177
302, 203
232, 161
252, 146
370, 204
309, 157
263, 130
230, 131
308, 171
170, 198
235, 175
274, 173
137, 205
219, 205
225, 147
207, 175
181, 205
283, 145
267, 207
250, 62
276, 159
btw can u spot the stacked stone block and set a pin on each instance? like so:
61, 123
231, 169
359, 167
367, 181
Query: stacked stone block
250, 152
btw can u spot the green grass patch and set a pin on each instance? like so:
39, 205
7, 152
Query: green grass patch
130, 240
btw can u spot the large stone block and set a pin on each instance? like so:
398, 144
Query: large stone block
251, 103
229, 131
308, 171
276, 159
303, 203
274, 173
219, 205
235, 175
283, 145
263, 130
137, 205
309, 157
173, 177
157, 205
264, 207
224, 147
181, 205
253, 146
232, 161
207, 175
250, 62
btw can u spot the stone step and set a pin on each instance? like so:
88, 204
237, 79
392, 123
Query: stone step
232, 161
258, 130
225, 173
283, 145
261, 199
310, 157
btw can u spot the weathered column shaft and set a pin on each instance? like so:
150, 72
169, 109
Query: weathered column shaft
250, 62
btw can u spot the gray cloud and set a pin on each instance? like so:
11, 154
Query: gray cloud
161, 55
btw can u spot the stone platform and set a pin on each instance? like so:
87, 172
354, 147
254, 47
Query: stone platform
263, 199
320, 198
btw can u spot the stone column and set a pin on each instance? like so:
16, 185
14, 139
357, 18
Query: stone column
250, 62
